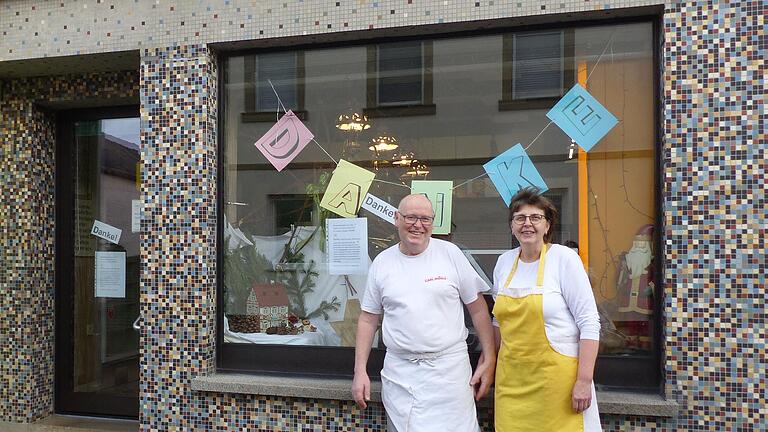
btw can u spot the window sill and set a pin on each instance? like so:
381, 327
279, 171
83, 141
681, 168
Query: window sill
611, 402
290, 386
268, 116
400, 111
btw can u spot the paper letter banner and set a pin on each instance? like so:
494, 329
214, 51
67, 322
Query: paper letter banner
346, 190
380, 208
512, 171
284, 141
582, 117
440, 194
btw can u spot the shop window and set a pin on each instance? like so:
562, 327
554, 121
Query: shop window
283, 311
537, 68
400, 79
282, 70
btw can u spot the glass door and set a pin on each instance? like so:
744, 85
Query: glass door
97, 278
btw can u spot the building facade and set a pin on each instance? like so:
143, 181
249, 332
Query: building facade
685, 78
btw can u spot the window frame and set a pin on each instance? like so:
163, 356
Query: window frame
508, 102
611, 371
424, 107
252, 114
422, 73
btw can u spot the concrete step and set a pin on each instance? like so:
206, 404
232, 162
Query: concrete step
61, 423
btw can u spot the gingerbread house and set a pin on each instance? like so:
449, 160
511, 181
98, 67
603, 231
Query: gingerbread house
270, 302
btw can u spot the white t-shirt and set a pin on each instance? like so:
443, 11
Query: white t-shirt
570, 312
421, 296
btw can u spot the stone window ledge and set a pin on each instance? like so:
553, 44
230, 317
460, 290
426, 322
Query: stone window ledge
611, 402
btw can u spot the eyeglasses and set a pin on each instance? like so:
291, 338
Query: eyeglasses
534, 218
411, 219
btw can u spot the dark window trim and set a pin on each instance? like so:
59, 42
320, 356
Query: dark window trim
285, 360
66, 401
507, 103
251, 114
426, 107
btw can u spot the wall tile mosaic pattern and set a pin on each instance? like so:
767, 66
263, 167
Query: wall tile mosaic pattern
714, 157
178, 279
715, 213
27, 233
26, 247
31, 29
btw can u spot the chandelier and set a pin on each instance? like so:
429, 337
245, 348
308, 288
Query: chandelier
383, 143
417, 169
403, 159
352, 122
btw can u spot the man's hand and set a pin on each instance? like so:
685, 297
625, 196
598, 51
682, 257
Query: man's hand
361, 384
483, 377
361, 389
582, 395
486, 366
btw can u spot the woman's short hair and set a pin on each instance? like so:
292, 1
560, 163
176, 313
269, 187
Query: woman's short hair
531, 196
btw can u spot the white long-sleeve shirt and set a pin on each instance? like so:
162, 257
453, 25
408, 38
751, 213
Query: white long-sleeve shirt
570, 311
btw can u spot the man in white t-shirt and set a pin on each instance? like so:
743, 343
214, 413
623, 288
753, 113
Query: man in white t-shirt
419, 286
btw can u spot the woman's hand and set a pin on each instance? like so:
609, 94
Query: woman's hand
582, 395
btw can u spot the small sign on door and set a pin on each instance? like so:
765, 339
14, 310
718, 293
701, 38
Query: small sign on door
110, 274
107, 232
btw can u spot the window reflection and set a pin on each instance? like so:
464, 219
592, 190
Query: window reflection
276, 281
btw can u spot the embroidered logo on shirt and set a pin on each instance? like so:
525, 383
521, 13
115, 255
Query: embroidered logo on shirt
435, 278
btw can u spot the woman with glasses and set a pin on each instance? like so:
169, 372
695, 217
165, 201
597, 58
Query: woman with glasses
547, 328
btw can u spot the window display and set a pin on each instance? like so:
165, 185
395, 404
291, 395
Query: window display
283, 180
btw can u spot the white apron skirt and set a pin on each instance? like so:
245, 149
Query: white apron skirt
429, 392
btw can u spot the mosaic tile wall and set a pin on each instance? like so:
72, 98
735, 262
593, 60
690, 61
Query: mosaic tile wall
244, 412
715, 213
26, 247
178, 278
27, 233
31, 29
714, 156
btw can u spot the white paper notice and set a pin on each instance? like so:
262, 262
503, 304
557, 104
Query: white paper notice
107, 232
380, 208
135, 216
110, 274
347, 245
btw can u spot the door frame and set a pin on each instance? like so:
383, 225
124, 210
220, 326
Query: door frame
66, 401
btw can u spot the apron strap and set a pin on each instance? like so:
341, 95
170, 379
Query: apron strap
539, 274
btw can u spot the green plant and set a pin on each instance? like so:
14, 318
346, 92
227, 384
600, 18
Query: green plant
243, 267
299, 278
316, 190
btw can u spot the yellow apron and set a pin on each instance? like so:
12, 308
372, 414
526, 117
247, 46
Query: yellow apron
534, 382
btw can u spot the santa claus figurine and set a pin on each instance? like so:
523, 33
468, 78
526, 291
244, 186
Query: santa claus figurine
636, 275
635, 291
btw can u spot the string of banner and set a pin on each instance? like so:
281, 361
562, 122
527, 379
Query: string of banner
578, 114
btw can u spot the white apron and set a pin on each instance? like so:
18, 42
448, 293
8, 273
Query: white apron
429, 392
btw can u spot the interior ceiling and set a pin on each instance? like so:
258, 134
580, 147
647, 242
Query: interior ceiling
77, 64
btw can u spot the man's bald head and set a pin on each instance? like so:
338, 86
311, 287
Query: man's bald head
414, 236
414, 200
